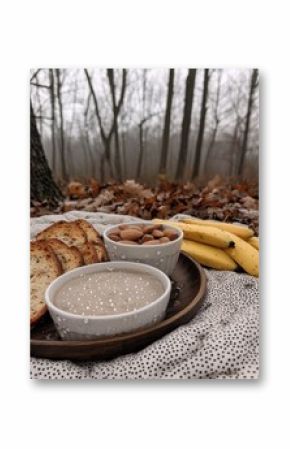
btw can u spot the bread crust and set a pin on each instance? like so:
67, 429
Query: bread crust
44, 268
69, 256
89, 253
60, 247
68, 232
91, 233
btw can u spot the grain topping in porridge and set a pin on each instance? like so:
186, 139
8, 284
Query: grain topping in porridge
109, 292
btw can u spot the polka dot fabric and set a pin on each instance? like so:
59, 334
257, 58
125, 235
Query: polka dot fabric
221, 342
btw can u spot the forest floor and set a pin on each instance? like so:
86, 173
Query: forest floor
218, 199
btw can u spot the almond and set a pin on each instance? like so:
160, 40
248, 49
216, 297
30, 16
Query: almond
152, 242
164, 240
157, 226
114, 237
147, 238
171, 234
139, 227
131, 234
158, 234
128, 242
148, 229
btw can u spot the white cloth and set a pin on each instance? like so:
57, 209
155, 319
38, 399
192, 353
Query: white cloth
221, 341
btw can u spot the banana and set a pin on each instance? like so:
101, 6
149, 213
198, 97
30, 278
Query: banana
208, 255
254, 241
202, 234
245, 255
242, 231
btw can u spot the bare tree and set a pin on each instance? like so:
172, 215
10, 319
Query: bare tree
52, 125
141, 143
42, 185
106, 137
200, 135
39, 112
188, 101
116, 106
88, 145
216, 118
253, 85
166, 129
61, 127
141, 125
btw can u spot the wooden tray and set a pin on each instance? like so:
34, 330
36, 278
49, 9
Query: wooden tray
188, 290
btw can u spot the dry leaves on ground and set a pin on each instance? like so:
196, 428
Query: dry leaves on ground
218, 199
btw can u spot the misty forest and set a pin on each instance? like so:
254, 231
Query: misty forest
160, 141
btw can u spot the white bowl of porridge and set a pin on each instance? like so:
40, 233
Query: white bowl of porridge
107, 299
154, 244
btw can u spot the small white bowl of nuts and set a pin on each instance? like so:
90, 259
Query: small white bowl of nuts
155, 244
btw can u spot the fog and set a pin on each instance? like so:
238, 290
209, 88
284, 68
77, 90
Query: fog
70, 130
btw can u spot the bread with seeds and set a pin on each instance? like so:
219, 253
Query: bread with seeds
89, 230
44, 268
68, 232
69, 256
89, 253
101, 253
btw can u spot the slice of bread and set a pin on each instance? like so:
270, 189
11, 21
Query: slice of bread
89, 230
68, 232
101, 253
89, 253
69, 256
44, 268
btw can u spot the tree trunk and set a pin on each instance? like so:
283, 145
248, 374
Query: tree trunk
116, 106
203, 109
42, 185
39, 107
62, 144
102, 168
123, 140
141, 151
234, 145
107, 137
166, 130
92, 154
217, 121
253, 85
188, 100
52, 103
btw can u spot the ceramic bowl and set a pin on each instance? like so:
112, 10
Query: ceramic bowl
163, 256
77, 327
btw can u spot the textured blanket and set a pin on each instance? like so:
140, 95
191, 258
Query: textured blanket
220, 342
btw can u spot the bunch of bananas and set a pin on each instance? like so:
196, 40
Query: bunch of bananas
219, 245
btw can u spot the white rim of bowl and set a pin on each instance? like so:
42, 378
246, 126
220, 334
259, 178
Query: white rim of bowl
50, 304
126, 245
